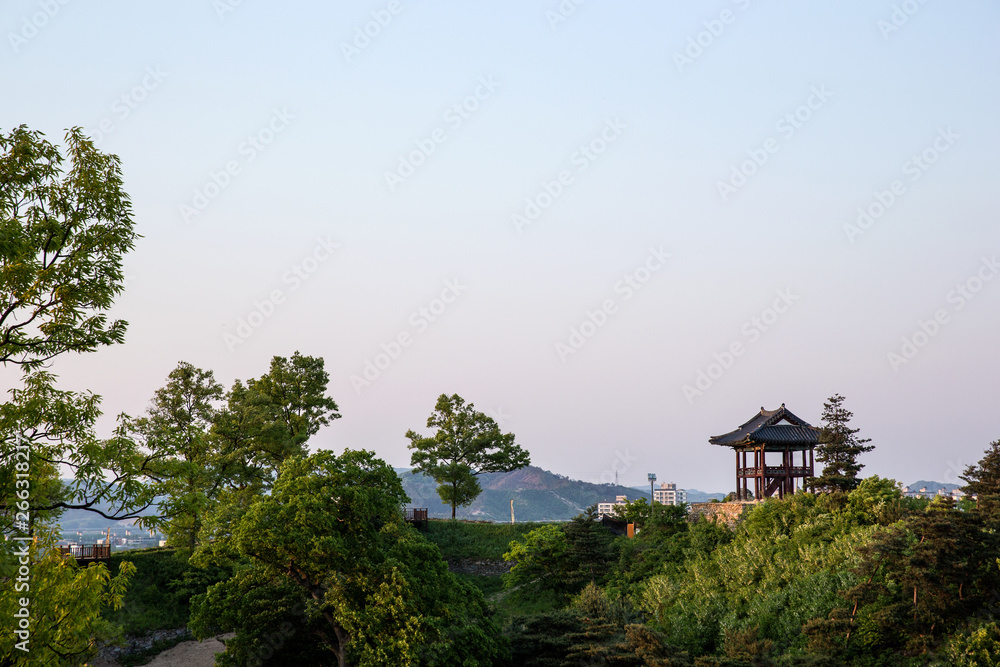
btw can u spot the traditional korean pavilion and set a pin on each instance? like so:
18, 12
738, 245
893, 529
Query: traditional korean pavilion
766, 448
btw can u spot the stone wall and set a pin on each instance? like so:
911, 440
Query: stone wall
728, 513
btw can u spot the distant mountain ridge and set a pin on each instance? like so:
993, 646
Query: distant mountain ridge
694, 495
538, 495
932, 486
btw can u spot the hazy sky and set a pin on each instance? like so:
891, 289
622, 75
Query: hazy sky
620, 228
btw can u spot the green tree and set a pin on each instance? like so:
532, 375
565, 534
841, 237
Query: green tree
978, 648
590, 549
541, 562
467, 443
270, 419
62, 238
293, 395
839, 449
329, 546
983, 481
917, 581
64, 229
176, 432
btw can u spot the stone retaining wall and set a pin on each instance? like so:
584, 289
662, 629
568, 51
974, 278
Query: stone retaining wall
728, 513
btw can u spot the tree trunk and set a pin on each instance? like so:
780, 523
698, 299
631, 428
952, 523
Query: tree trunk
454, 494
341, 645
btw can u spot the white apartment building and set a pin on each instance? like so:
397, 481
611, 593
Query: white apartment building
608, 509
669, 494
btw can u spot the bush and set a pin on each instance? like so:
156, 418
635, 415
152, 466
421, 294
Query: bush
978, 648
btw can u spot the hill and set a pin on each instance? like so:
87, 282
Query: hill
539, 495
933, 486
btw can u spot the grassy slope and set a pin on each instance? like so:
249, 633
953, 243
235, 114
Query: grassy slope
488, 541
483, 541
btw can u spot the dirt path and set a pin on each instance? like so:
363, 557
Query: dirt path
191, 654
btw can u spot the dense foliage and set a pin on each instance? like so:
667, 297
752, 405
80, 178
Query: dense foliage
861, 578
326, 557
65, 226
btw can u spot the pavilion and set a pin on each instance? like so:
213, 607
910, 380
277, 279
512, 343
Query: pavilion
768, 435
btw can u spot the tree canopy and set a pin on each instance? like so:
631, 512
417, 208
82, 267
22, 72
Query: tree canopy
65, 225
467, 443
329, 547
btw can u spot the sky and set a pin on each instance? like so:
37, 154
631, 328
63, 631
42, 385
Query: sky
618, 228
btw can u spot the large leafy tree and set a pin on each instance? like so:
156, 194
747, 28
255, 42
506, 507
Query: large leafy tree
327, 553
65, 225
265, 421
839, 448
467, 443
175, 430
291, 405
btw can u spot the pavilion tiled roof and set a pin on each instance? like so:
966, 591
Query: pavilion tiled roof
764, 429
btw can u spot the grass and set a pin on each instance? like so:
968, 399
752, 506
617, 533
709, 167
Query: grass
483, 541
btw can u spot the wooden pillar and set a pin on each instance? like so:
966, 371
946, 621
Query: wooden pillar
737, 473
743, 496
812, 470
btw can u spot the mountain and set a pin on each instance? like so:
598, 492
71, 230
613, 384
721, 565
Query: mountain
696, 496
84, 521
538, 495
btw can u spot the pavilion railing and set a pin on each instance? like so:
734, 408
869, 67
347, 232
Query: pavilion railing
774, 471
87, 551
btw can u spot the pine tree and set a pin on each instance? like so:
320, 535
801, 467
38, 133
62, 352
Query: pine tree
839, 449
983, 481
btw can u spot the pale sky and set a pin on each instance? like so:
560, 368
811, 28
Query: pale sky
565, 213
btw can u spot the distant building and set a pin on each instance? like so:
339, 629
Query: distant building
608, 509
669, 494
924, 492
